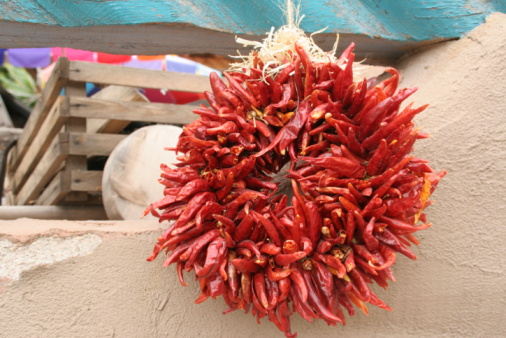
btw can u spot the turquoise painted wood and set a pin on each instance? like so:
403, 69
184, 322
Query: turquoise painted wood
395, 20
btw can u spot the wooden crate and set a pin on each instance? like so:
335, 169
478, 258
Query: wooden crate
48, 166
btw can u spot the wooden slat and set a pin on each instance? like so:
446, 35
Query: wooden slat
56, 190
42, 140
119, 93
51, 91
136, 77
76, 213
70, 181
131, 111
7, 136
46, 168
93, 144
84, 180
75, 124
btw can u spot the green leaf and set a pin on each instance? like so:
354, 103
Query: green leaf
19, 83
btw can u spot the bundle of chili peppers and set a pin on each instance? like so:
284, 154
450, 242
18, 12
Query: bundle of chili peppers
357, 198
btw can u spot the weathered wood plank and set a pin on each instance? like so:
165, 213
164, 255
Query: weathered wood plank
136, 77
155, 39
83, 180
93, 144
76, 213
40, 143
37, 117
56, 190
67, 182
47, 167
7, 136
119, 93
131, 111
75, 124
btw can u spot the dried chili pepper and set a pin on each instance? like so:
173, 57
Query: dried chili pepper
356, 193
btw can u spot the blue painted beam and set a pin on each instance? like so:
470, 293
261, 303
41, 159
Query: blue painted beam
396, 20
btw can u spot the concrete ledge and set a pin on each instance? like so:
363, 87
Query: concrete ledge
108, 289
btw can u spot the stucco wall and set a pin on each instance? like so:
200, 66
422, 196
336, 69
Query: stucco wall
456, 288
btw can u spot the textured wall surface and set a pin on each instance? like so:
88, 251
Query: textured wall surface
456, 288
461, 279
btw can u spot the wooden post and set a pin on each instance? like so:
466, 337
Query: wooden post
75, 124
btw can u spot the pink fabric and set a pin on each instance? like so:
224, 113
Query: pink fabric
112, 58
73, 54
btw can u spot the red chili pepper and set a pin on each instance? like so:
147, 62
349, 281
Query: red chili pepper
403, 118
180, 273
217, 85
230, 96
232, 275
314, 223
241, 90
269, 227
245, 265
287, 259
323, 279
349, 261
270, 249
216, 252
227, 128
361, 263
260, 289
208, 209
370, 241
191, 188
389, 239
232, 207
244, 229
371, 120
343, 166
251, 246
298, 282
226, 222
317, 303
381, 191
277, 274
302, 307
176, 253
198, 247
207, 113
361, 284
284, 288
389, 256
290, 131
345, 77
310, 70
194, 204
175, 239
404, 150
287, 91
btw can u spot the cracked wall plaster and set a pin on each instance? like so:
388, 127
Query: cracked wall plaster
16, 258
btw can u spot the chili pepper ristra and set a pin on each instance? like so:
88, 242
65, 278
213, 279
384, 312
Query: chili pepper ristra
356, 194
